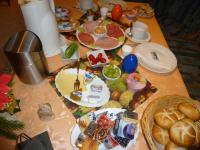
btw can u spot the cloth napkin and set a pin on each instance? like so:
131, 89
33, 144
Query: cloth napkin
156, 59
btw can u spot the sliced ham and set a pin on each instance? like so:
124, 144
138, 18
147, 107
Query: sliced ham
90, 26
107, 43
86, 38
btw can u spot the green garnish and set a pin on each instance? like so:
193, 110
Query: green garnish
111, 71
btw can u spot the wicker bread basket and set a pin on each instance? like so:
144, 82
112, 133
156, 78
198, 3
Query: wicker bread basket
169, 101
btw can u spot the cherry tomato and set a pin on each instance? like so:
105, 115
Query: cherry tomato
100, 55
103, 60
91, 57
97, 59
94, 62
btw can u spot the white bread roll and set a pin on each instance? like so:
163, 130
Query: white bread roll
197, 130
189, 110
171, 146
178, 114
165, 118
160, 135
182, 133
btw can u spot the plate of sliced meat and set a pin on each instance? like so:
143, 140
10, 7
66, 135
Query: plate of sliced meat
99, 34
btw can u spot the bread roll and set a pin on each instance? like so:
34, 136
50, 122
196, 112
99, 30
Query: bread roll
182, 133
197, 140
197, 130
189, 110
178, 114
160, 135
171, 146
165, 118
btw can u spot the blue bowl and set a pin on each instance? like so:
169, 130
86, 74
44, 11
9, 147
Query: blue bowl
129, 63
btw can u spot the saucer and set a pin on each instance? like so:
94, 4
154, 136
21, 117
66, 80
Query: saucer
146, 39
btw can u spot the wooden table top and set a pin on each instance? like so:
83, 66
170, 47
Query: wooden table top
60, 127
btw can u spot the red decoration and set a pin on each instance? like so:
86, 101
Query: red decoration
4, 88
4, 98
2, 105
8, 102
5, 78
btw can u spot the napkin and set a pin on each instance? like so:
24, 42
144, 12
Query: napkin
155, 59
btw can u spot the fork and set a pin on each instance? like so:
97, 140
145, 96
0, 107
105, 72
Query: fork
79, 140
77, 82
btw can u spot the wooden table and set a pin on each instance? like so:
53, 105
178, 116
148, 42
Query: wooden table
59, 128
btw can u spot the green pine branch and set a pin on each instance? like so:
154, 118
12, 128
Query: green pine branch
10, 125
8, 134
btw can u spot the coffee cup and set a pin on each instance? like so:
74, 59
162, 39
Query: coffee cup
139, 30
103, 12
126, 50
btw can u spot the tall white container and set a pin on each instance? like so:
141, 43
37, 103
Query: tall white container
40, 19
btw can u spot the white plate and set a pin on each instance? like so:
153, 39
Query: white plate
156, 57
147, 38
76, 131
104, 95
95, 38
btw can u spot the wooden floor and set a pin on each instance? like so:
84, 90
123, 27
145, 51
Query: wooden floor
11, 21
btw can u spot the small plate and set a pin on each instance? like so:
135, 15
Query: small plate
95, 54
146, 39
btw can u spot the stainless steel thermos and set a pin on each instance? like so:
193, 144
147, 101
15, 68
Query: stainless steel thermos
24, 52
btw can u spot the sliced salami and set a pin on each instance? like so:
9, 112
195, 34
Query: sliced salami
106, 42
114, 30
86, 38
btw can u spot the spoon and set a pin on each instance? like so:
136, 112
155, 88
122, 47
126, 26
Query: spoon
130, 34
